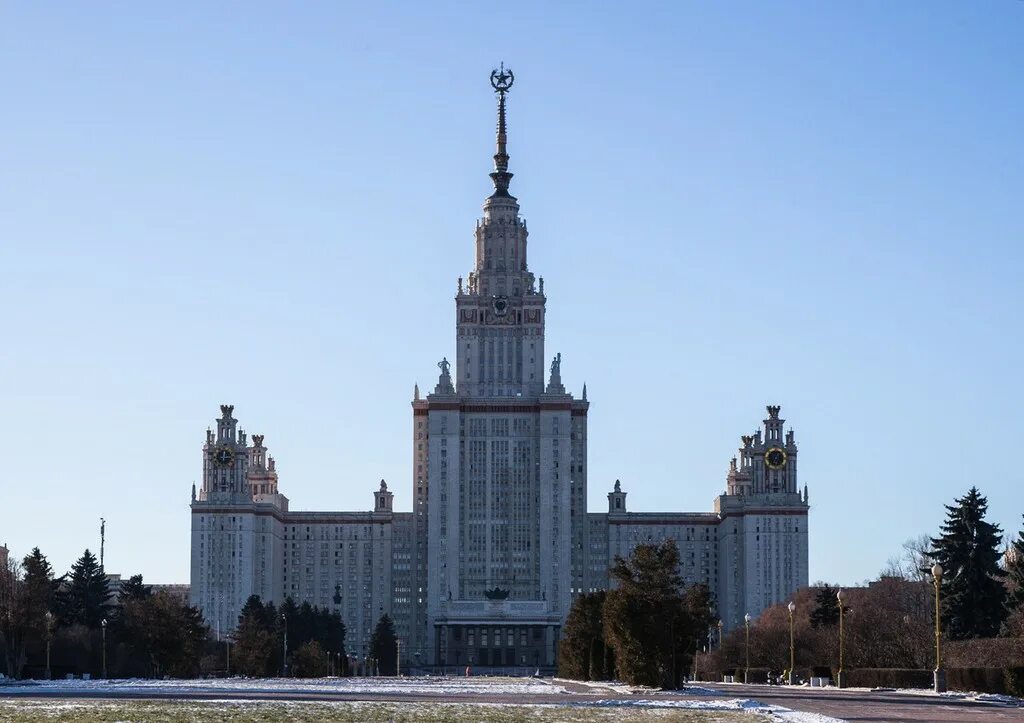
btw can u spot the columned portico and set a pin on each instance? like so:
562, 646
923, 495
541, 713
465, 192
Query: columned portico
496, 634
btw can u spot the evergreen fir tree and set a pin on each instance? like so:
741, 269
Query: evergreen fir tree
973, 594
651, 626
256, 650
38, 594
1015, 573
158, 629
826, 608
691, 628
85, 601
133, 589
309, 661
582, 653
383, 645
254, 609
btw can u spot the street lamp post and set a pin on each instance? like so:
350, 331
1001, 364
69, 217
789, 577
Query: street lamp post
719, 634
227, 663
746, 670
103, 625
284, 652
49, 637
840, 675
792, 650
940, 674
398, 657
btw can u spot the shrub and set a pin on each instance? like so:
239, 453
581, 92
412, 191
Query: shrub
1013, 679
983, 653
308, 661
887, 678
983, 680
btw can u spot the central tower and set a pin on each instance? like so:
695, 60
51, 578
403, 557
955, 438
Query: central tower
499, 462
500, 312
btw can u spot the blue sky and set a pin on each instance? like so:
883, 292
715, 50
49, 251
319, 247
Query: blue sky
732, 204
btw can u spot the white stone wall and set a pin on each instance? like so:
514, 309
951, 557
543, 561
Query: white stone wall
763, 552
696, 536
350, 554
223, 557
555, 539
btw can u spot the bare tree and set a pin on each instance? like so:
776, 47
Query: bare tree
12, 644
913, 562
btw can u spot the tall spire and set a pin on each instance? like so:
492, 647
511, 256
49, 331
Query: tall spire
501, 81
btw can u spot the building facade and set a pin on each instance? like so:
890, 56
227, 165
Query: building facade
483, 570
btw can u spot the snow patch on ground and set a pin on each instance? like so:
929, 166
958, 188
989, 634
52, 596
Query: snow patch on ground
773, 712
747, 705
995, 698
413, 686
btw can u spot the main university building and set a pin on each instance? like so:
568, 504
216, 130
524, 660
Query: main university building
484, 569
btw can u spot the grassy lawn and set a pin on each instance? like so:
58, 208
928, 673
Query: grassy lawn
26, 711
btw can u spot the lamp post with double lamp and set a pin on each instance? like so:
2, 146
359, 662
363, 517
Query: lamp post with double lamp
49, 637
103, 625
746, 669
792, 649
940, 674
840, 675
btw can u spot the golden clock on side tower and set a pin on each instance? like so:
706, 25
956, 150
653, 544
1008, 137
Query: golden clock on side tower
775, 458
224, 456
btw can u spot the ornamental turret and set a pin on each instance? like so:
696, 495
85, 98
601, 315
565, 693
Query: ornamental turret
225, 461
766, 462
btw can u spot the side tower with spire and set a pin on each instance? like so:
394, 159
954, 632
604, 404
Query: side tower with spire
499, 461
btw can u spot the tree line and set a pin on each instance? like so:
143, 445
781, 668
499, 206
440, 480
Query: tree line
80, 624
83, 626
305, 641
649, 630
890, 622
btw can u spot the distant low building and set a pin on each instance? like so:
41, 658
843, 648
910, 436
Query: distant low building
178, 591
114, 586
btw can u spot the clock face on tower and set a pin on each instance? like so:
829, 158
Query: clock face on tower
775, 458
500, 305
223, 456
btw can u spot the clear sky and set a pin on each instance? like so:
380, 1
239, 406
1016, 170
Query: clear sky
732, 204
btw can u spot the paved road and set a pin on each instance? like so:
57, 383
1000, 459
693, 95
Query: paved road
843, 704
859, 705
